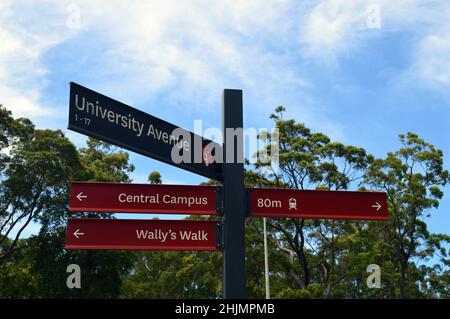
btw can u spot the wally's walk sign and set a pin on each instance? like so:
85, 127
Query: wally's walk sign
106, 119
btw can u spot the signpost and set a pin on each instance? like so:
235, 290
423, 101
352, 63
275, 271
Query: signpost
103, 118
233, 198
144, 198
288, 203
85, 233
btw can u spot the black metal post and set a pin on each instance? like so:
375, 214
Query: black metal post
234, 283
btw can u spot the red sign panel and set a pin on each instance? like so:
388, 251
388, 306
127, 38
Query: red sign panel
129, 234
318, 204
142, 198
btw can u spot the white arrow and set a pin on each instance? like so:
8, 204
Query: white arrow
377, 206
77, 234
80, 196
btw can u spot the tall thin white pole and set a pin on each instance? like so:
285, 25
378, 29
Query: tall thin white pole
266, 262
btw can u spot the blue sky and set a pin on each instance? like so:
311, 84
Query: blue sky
323, 60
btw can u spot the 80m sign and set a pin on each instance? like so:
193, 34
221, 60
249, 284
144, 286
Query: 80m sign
268, 203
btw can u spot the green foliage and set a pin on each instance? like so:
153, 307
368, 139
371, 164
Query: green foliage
102, 163
311, 160
102, 271
17, 278
34, 188
40, 165
413, 178
307, 258
155, 178
335, 254
174, 274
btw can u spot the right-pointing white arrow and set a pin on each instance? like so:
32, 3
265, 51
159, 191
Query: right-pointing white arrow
77, 233
377, 206
80, 196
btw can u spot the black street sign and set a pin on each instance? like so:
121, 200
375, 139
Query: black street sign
111, 121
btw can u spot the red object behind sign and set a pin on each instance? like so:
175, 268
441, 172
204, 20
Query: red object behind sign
318, 204
129, 234
142, 198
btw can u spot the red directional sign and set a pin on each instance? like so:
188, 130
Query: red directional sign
142, 198
129, 234
318, 204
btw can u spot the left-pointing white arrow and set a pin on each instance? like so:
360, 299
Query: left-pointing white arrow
80, 196
77, 233
377, 206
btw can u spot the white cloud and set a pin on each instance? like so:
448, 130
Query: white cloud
24, 37
197, 47
22, 104
433, 60
335, 28
190, 51
332, 28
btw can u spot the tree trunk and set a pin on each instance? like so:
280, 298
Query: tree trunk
301, 253
403, 273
